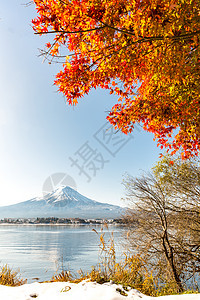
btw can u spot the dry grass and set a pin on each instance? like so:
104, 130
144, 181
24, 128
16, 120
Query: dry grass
131, 271
10, 277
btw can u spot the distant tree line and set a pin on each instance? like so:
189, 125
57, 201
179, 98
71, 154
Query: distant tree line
55, 220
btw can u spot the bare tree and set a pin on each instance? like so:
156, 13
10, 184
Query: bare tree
163, 232
182, 181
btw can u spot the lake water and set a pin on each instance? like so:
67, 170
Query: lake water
41, 250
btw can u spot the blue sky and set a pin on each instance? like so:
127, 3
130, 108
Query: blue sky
39, 132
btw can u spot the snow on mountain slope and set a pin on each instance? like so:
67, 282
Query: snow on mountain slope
63, 202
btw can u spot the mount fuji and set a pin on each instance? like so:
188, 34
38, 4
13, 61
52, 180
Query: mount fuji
64, 202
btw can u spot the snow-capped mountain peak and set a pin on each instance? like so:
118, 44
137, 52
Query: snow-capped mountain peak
62, 202
65, 195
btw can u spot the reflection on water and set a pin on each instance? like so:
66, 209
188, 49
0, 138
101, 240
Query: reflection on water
41, 250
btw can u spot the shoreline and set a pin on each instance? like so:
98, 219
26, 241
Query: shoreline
57, 224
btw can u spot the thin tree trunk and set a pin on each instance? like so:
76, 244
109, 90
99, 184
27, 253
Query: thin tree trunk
170, 258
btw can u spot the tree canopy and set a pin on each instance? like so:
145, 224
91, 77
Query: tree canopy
144, 51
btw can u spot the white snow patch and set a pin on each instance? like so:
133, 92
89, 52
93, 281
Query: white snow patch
82, 291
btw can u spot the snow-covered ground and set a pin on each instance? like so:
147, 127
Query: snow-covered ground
82, 291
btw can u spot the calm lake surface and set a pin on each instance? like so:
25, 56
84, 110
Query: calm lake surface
39, 251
